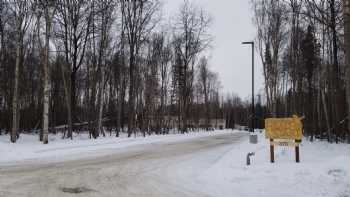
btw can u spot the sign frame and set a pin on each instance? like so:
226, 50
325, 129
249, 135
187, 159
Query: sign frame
279, 133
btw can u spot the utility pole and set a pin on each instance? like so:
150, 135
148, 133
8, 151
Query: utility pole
253, 105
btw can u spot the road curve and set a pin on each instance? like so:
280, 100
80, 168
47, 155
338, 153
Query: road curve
158, 169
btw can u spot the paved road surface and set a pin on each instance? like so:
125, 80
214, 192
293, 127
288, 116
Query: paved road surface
159, 169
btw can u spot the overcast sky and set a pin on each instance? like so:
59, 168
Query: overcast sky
232, 24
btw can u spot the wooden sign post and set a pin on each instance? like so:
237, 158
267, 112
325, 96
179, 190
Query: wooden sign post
297, 156
284, 132
272, 151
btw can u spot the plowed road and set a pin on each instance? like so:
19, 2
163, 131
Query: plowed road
158, 169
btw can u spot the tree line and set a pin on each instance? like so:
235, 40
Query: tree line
304, 49
112, 64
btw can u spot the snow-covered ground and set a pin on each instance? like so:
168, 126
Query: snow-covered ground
195, 164
324, 170
29, 149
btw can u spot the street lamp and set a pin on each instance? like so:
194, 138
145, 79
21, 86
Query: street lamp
253, 107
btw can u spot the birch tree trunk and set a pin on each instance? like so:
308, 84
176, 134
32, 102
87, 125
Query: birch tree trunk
46, 79
347, 57
326, 115
46, 85
100, 102
19, 43
15, 88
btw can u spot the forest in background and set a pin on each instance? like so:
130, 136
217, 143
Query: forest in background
302, 45
123, 66
115, 64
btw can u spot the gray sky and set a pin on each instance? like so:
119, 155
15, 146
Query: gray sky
232, 24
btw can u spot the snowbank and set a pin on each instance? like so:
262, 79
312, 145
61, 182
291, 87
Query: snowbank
29, 149
324, 171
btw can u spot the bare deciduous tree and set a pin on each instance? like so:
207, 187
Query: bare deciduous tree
21, 10
191, 32
48, 7
139, 16
74, 20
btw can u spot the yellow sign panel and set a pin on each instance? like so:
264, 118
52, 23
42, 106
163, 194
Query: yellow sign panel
284, 128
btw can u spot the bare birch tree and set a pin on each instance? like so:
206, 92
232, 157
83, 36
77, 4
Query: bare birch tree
191, 32
270, 22
106, 10
22, 12
48, 7
139, 21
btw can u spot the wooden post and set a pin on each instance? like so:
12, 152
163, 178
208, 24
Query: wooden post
272, 152
297, 159
297, 156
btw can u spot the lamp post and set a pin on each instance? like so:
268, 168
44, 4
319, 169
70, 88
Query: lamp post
253, 107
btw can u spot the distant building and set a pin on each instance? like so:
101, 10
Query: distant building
173, 122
